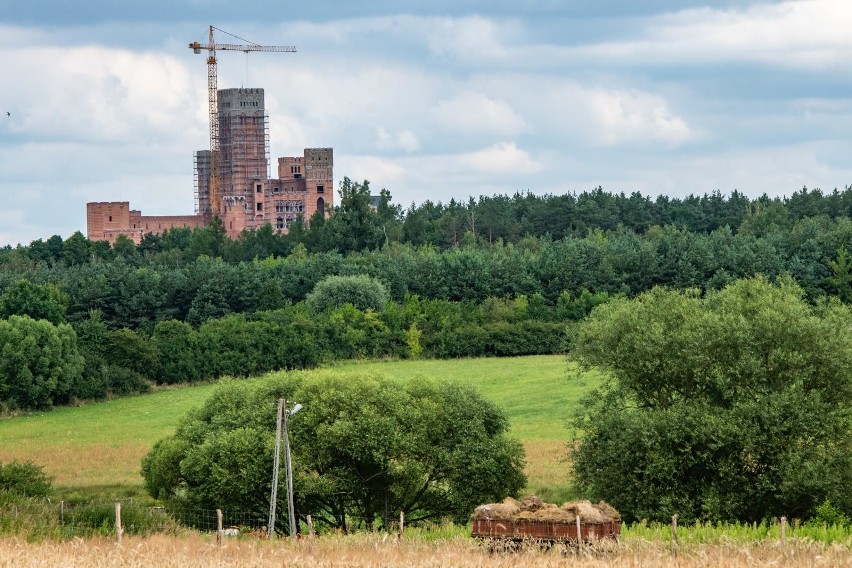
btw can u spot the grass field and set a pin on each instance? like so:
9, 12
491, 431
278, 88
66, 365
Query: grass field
367, 550
98, 447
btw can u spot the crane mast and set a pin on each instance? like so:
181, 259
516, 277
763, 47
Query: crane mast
212, 90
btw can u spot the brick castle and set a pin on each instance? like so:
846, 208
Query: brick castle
244, 196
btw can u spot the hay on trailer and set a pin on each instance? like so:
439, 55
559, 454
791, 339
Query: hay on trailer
531, 503
587, 512
609, 511
533, 508
548, 512
508, 509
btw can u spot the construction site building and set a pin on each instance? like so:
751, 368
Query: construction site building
243, 195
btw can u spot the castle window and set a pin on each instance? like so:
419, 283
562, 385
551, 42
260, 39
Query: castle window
280, 223
321, 205
260, 206
320, 189
110, 217
279, 207
259, 188
275, 190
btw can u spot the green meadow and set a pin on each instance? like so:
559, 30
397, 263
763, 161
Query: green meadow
97, 448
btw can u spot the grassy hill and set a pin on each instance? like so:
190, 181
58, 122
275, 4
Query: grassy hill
98, 447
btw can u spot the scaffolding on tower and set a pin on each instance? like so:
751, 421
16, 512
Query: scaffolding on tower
212, 88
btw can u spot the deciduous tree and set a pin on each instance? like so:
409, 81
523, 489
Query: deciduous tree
735, 406
364, 447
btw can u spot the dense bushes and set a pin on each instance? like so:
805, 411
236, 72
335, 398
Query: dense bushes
24, 479
97, 361
734, 406
498, 276
294, 337
39, 363
361, 291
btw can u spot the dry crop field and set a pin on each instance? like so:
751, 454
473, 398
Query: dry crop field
375, 550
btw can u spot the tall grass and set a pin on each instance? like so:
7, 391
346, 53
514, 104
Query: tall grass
36, 519
382, 550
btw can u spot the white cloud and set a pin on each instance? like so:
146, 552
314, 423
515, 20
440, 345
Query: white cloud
381, 172
99, 94
801, 33
632, 116
477, 113
152, 193
568, 114
404, 140
16, 229
469, 39
501, 158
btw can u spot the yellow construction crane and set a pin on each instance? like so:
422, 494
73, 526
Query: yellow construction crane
211, 47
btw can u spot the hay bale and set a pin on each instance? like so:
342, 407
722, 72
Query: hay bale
587, 512
609, 511
548, 512
531, 503
514, 502
497, 511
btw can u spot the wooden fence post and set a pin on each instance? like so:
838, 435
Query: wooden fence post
310, 527
118, 529
579, 532
674, 533
62, 512
219, 530
401, 525
783, 531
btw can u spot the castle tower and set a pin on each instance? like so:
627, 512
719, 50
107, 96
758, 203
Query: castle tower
243, 149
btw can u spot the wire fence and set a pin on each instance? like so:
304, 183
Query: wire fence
248, 522
41, 518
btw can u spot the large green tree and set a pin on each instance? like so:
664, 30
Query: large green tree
39, 363
365, 447
735, 406
38, 301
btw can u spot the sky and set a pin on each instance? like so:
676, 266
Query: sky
431, 99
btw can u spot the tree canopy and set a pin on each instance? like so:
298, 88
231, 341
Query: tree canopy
39, 363
734, 406
364, 448
361, 291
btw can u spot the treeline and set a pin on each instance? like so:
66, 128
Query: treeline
45, 364
357, 225
190, 305
137, 292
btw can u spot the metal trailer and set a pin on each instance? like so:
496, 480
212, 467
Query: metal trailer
510, 533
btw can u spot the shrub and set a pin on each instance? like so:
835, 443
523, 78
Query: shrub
25, 478
361, 291
39, 363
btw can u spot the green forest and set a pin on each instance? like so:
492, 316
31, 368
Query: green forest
495, 276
